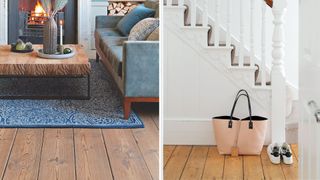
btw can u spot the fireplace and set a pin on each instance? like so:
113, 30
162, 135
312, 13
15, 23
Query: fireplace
27, 17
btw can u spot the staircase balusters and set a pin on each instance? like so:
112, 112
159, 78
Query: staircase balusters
169, 2
217, 25
181, 2
193, 18
205, 14
241, 48
279, 98
252, 50
263, 44
228, 35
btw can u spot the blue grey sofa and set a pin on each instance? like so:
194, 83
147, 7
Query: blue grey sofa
134, 65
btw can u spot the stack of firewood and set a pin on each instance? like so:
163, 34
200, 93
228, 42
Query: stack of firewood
120, 8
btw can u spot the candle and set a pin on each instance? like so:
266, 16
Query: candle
61, 36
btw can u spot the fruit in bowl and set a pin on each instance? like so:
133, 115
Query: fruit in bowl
67, 51
21, 46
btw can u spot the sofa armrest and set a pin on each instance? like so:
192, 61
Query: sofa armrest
140, 70
107, 21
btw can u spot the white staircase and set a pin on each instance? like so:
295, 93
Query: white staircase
205, 64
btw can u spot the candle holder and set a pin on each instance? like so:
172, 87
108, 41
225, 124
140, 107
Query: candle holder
60, 49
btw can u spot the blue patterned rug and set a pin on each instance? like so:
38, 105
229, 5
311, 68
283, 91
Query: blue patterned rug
103, 110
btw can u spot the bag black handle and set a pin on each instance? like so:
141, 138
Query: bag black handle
239, 94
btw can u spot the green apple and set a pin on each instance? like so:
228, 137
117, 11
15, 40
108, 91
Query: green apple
20, 46
67, 51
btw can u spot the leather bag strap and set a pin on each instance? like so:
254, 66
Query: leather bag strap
239, 94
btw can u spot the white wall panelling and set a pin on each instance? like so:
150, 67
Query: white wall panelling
97, 8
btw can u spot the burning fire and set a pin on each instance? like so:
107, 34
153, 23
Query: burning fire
38, 10
38, 16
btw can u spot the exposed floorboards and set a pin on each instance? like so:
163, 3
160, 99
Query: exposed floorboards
82, 154
204, 162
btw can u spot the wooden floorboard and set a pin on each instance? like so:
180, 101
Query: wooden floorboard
214, 165
176, 163
195, 164
25, 156
294, 148
57, 158
148, 142
252, 168
7, 137
205, 162
67, 153
92, 161
233, 168
167, 152
125, 156
271, 171
291, 171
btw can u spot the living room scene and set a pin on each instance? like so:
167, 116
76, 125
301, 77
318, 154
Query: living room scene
79, 89
231, 90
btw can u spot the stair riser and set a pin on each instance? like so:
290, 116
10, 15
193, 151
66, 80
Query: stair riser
177, 13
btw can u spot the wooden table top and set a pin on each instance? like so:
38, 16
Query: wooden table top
30, 64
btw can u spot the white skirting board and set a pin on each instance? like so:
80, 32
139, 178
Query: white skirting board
200, 132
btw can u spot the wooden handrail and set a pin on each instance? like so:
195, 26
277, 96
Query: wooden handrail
269, 2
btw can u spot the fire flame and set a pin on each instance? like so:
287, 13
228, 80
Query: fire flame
38, 10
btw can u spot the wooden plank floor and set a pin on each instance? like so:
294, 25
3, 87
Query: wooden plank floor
204, 162
82, 154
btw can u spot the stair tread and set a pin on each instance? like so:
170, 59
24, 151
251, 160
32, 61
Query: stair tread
254, 68
190, 24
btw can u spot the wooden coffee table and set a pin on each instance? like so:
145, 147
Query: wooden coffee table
29, 65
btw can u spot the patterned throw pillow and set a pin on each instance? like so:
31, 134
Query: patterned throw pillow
154, 36
143, 29
133, 17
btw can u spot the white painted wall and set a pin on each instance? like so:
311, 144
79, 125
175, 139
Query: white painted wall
3, 22
309, 129
291, 59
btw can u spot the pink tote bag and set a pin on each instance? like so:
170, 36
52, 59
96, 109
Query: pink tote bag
226, 130
247, 135
226, 138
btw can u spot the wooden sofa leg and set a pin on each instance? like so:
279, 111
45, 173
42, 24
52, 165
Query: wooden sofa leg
126, 108
97, 57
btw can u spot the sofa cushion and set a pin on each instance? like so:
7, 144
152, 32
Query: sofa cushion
143, 29
114, 55
111, 41
133, 17
103, 32
154, 36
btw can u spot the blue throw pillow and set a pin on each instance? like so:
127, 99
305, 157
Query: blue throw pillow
133, 17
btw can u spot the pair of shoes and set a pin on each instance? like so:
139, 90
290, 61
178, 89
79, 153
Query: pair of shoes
277, 153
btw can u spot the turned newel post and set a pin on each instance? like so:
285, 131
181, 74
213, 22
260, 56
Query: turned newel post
278, 81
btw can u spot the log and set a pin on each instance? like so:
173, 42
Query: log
112, 12
118, 9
